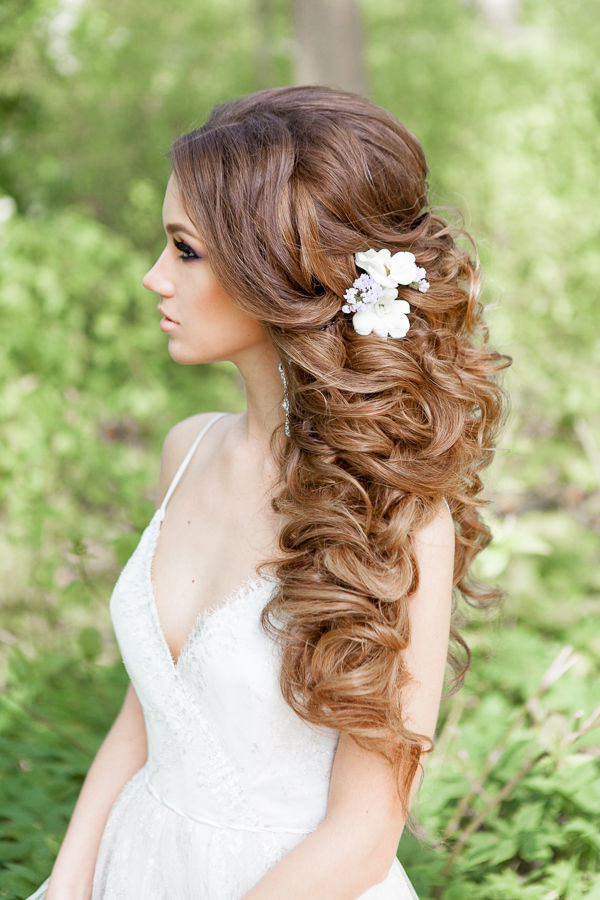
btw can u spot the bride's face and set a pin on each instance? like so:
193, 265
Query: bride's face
203, 323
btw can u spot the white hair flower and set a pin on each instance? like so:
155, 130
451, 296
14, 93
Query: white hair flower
383, 318
373, 298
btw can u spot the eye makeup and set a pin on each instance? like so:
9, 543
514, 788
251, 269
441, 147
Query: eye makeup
186, 252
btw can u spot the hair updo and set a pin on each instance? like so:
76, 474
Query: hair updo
284, 186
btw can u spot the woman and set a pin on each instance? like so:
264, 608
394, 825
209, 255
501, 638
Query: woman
285, 617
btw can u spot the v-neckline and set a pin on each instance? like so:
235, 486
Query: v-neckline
246, 588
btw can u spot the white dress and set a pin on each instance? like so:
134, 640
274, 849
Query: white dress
234, 777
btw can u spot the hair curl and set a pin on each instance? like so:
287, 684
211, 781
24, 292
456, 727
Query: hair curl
285, 185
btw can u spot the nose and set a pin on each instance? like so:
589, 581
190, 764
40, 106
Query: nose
157, 280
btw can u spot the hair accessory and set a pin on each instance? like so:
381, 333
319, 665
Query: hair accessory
373, 298
285, 402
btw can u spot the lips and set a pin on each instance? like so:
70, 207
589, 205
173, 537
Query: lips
168, 318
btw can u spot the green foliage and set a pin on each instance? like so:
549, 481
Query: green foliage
512, 794
53, 717
91, 96
123, 79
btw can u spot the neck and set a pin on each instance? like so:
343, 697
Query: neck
258, 367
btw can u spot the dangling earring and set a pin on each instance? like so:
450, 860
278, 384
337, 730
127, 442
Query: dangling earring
285, 402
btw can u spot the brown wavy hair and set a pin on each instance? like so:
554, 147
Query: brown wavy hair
284, 186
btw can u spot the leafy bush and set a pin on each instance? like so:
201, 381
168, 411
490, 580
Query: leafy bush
56, 713
512, 793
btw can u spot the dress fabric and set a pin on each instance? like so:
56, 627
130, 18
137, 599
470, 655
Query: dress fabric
234, 778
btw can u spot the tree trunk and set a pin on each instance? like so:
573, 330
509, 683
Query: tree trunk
503, 14
328, 44
263, 58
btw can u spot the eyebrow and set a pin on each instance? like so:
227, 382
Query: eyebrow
173, 227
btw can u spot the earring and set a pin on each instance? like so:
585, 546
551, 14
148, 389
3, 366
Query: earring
285, 402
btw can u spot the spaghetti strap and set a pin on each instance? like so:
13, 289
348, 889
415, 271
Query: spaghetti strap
185, 461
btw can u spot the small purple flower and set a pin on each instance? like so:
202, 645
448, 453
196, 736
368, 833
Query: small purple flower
423, 286
364, 291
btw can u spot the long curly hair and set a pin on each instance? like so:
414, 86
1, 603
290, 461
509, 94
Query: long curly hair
285, 185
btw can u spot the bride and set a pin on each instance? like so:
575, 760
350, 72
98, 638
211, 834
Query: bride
285, 618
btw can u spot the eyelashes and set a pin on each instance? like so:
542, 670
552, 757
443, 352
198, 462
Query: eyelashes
186, 252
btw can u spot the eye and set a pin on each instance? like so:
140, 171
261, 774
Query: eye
185, 250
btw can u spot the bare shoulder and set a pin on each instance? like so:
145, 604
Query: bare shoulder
177, 442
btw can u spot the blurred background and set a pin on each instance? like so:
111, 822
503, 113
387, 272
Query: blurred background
505, 98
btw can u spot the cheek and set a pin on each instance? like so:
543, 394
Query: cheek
204, 290
212, 313
211, 301
235, 328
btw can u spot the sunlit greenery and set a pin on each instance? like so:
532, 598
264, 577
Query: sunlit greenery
91, 95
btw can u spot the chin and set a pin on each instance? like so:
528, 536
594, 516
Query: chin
184, 360
185, 357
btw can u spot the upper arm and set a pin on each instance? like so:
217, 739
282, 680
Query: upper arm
175, 445
430, 612
129, 727
363, 792
131, 716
